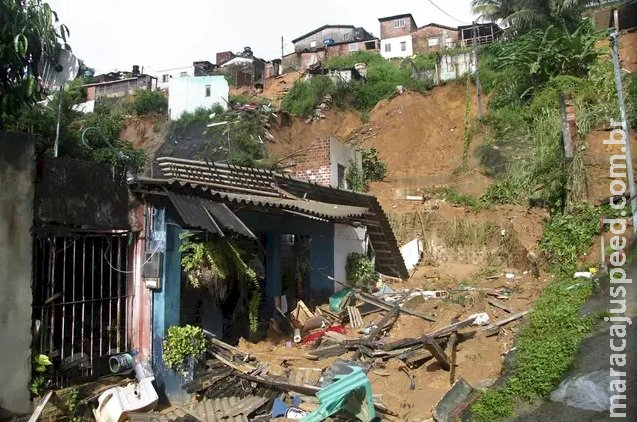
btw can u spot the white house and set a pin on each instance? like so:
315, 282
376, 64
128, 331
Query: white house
396, 36
397, 47
186, 94
164, 76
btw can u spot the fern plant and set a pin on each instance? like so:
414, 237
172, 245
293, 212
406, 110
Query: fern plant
216, 264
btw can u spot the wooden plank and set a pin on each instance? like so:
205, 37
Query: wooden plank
452, 345
38, 410
499, 305
439, 355
494, 328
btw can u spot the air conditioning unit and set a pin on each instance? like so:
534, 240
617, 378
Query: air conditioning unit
152, 269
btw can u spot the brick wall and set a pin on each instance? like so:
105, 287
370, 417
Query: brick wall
90, 93
315, 165
387, 29
344, 49
420, 39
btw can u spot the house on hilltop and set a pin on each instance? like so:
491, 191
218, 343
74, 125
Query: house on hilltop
328, 41
395, 36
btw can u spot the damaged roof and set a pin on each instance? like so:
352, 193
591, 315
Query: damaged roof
265, 188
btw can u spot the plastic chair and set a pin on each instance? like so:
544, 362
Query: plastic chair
351, 392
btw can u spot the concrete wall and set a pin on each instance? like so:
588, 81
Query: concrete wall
347, 240
189, 93
17, 178
454, 67
395, 47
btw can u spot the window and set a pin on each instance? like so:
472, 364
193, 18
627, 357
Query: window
340, 174
208, 90
313, 44
399, 23
403, 46
432, 42
387, 48
182, 74
352, 47
346, 36
165, 78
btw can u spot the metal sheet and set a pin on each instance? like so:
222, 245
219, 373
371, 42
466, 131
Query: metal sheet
193, 213
226, 219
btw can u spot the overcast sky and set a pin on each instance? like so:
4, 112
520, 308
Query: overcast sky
158, 34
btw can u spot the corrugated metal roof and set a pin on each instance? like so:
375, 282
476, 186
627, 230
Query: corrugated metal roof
203, 214
319, 209
267, 188
227, 409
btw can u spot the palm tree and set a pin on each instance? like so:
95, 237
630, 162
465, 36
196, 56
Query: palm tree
523, 15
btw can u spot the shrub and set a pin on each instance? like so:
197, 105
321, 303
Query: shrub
355, 178
182, 344
306, 95
374, 169
145, 102
360, 270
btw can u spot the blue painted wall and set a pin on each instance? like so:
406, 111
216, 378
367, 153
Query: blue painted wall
166, 312
321, 252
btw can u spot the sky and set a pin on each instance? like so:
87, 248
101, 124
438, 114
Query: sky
160, 34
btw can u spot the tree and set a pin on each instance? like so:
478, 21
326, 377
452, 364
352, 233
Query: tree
29, 36
521, 16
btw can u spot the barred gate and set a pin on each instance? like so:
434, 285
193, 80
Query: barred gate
80, 298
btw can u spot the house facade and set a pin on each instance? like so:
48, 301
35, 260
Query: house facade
396, 36
198, 68
187, 94
120, 87
483, 33
326, 163
434, 37
328, 41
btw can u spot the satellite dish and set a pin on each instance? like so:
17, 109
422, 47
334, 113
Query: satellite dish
60, 70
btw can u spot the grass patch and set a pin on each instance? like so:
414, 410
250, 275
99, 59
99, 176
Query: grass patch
453, 196
463, 233
546, 347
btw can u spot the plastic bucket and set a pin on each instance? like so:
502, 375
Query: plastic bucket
119, 363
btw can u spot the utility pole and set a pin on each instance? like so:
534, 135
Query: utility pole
475, 55
282, 48
625, 126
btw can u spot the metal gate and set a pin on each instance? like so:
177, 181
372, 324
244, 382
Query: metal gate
80, 298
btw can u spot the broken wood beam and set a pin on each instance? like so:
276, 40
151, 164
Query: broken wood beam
452, 345
386, 318
499, 305
439, 354
494, 328
38, 410
451, 328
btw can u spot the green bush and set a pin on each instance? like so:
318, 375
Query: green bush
355, 178
360, 270
181, 344
374, 169
383, 76
145, 102
306, 95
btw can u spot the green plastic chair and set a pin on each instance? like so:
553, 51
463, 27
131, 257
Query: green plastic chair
351, 392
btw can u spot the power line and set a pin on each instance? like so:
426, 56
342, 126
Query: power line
455, 19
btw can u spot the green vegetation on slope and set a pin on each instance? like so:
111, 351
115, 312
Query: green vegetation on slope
525, 77
383, 76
